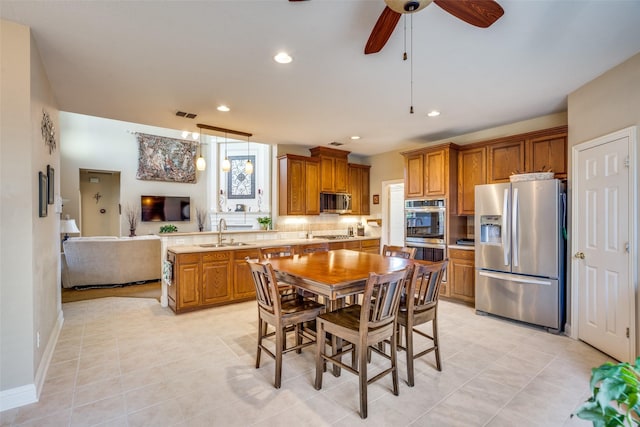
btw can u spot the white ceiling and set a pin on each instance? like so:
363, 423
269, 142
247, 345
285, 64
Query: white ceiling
141, 61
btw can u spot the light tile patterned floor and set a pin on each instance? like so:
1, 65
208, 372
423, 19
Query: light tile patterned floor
130, 362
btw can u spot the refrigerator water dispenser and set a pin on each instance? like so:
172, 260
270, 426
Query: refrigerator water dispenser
491, 229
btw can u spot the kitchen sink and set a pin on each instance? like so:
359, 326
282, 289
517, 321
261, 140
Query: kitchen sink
213, 245
237, 244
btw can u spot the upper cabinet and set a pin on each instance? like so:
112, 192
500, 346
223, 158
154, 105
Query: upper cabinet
496, 160
333, 169
431, 172
359, 188
298, 183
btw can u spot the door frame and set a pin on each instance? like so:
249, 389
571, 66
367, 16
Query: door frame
384, 200
632, 134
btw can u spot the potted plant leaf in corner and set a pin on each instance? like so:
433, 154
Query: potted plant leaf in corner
615, 399
265, 222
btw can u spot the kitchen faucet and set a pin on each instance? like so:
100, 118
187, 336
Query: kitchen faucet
222, 225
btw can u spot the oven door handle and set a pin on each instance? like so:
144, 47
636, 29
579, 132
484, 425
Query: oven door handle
424, 245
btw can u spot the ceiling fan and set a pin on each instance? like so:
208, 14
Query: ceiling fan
481, 13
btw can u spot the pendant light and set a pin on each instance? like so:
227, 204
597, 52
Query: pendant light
201, 164
248, 167
226, 164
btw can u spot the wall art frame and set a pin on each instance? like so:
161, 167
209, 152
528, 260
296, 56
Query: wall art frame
239, 184
42, 194
166, 159
51, 173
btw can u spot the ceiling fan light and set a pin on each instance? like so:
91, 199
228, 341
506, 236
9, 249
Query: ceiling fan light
407, 6
226, 165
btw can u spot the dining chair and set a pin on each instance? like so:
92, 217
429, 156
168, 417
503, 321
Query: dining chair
399, 251
421, 306
284, 315
280, 251
363, 327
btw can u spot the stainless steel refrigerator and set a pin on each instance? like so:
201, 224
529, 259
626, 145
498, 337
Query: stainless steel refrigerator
520, 251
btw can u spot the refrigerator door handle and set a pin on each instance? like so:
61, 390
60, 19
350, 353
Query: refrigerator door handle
510, 277
514, 227
506, 243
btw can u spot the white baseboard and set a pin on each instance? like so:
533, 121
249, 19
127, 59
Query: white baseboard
18, 396
26, 394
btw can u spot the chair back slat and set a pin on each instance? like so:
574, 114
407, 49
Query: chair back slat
265, 282
381, 298
271, 252
424, 287
399, 251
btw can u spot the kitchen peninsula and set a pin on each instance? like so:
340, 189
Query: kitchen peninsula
205, 274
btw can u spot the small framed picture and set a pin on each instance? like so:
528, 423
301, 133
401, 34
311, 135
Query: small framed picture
376, 199
42, 202
51, 184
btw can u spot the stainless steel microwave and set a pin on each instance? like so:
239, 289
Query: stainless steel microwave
339, 203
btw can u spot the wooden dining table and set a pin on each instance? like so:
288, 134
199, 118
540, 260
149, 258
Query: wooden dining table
335, 274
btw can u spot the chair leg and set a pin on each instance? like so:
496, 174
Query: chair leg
362, 375
320, 350
280, 336
298, 337
394, 361
408, 334
436, 344
259, 349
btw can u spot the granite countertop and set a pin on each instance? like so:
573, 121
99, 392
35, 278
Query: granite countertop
227, 246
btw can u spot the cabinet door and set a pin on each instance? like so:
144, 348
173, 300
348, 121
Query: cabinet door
548, 153
188, 281
505, 159
312, 188
216, 277
340, 175
371, 246
355, 175
462, 275
414, 178
243, 286
472, 171
291, 184
327, 166
436, 178
365, 208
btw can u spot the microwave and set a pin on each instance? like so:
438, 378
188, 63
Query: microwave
339, 203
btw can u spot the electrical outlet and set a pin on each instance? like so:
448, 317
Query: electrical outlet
38, 339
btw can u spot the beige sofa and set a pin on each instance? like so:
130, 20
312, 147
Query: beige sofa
110, 260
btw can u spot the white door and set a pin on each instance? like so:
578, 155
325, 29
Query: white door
392, 213
601, 259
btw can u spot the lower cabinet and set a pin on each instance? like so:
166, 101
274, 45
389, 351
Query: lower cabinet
461, 275
205, 279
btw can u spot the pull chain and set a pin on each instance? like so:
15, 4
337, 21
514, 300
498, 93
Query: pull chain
411, 64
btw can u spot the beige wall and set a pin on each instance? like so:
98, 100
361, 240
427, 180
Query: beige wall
606, 104
29, 245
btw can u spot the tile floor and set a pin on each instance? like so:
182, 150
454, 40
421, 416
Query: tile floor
130, 362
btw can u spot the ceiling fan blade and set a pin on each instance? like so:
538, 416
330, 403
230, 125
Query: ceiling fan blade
481, 13
382, 30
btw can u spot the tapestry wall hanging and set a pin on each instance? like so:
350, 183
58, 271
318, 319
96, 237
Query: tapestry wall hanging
239, 184
166, 159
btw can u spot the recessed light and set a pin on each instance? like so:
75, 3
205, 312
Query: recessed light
282, 58
355, 137
224, 108
433, 113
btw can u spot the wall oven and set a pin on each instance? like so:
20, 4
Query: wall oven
425, 228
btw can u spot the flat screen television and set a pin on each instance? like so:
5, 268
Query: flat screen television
165, 208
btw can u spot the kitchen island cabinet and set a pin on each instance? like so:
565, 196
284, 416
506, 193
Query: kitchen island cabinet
461, 275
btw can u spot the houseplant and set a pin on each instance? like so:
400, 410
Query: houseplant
265, 222
615, 399
201, 217
169, 228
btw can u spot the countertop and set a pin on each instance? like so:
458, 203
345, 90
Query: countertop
183, 249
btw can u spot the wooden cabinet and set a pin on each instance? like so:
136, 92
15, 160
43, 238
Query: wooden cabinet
370, 245
298, 184
359, 188
432, 173
333, 169
505, 159
199, 280
472, 171
243, 287
345, 244
548, 152
461, 275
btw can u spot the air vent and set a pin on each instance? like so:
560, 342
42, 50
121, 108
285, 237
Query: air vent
336, 143
187, 115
